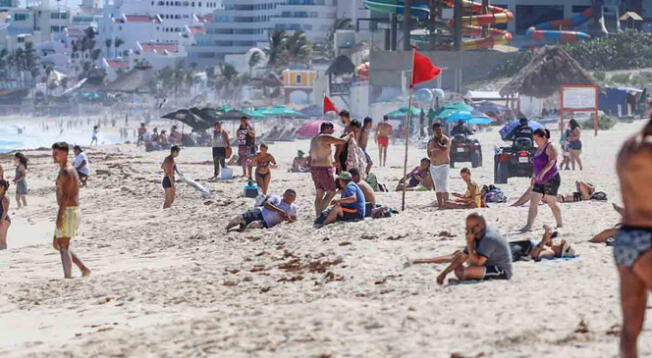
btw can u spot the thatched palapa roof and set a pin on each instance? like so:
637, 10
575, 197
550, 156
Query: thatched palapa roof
550, 68
136, 80
341, 65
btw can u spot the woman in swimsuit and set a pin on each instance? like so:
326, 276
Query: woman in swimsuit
4, 214
545, 180
19, 179
169, 168
574, 143
263, 174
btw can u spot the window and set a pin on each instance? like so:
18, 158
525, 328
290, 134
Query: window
20, 17
299, 79
532, 15
579, 8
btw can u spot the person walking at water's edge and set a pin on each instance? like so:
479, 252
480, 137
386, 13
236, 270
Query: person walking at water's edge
20, 179
69, 213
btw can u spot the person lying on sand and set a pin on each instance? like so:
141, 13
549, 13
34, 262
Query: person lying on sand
633, 244
486, 257
351, 207
472, 199
609, 233
546, 248
419, 177
584, 192
367, 190
274, 211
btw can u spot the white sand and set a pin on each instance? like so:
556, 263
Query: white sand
173, 284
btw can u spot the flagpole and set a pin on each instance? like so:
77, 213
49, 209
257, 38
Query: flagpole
407, 131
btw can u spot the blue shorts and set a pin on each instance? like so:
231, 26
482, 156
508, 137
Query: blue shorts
253, 215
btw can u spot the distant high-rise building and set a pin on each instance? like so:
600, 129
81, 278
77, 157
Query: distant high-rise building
8, 4
243, 24
90, 4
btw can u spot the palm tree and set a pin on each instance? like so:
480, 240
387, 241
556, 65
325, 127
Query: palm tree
255, 58
117, 43
108, 42
276, 48
298, 48
228, 79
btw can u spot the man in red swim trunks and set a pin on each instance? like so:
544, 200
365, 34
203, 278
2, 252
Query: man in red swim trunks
321, 165
383, 132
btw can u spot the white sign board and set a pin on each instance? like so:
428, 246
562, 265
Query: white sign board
579, 97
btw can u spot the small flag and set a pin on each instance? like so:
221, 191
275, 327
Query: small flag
328, 105
423, 70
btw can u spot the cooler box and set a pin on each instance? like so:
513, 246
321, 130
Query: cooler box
227, 173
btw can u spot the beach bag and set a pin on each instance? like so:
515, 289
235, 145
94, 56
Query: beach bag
494, 195
382, 212
373, 181
599, 195
251, 190
228, 152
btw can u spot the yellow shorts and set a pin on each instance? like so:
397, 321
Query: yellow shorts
70, 225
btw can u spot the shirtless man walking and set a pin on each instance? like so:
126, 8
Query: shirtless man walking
633, 244
69, 214
439, 148
383, 132
321, 165
363, 140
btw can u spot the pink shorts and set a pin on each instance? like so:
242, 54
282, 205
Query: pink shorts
323, 178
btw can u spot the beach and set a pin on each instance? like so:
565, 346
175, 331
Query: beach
173, 283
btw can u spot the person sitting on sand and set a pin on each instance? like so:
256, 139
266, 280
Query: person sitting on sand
300, 163
472, 199
545, 248
487, 253
273, 211
351, 207
81, 164
633, 244
175, 136
262, 160
163, 140
367, 190
5, 221
418, 178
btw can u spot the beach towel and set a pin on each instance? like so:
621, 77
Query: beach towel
355, 157
566, 258
494, 194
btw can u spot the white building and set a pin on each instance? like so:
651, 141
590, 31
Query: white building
243, 24
151, 21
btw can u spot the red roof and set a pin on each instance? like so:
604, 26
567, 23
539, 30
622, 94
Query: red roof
117, 64
197, 29
205, 18
159, 48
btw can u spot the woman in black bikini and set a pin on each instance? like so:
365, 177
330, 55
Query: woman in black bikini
4, 214
575, 143
169, 168
263, 173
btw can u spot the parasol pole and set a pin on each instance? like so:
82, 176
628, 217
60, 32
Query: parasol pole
407, 131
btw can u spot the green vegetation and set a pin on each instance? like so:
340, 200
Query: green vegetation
622, 51
604, 123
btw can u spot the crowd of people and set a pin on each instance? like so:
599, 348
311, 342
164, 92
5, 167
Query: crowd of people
340, 164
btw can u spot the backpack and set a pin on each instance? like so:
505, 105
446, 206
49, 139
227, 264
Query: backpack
599, 195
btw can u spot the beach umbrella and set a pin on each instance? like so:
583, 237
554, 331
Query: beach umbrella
225, 108
314, 110
233, 115
189, 118
402, 113
480, 121
446, 110
459, 116
253, 114
280, 111
311, 129
509, 127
